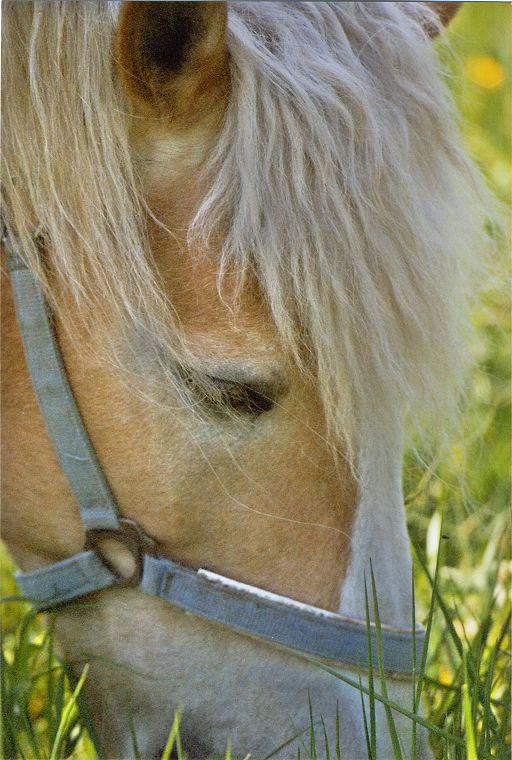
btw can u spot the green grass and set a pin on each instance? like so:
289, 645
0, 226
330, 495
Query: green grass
457, 509
45, 717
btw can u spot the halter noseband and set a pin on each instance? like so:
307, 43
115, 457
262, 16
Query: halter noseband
243, 608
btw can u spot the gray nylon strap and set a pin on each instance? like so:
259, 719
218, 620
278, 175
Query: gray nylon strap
64, 581
58, 406
278, 619
245, 609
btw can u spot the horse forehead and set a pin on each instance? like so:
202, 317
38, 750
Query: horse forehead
207, 308
174, 189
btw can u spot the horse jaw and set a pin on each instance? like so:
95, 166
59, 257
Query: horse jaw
380, 541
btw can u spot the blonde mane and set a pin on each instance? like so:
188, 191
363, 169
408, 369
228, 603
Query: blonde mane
338, 174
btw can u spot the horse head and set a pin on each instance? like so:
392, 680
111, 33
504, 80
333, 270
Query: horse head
251, 224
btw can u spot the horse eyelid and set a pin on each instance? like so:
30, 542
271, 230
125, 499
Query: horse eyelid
238, 397
232, 397
231, 390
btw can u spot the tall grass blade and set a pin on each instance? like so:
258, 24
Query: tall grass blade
414, 706
51, 717
439, 599
397, 751
312, 737
68, 713
173, 736
86, 717
326, 740
338, 735
440, 732
59, 699
468, 718
428, 627
286, 743
371, 684
133, 735
365, 725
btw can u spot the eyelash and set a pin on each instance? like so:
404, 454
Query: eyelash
221, 395
245, 399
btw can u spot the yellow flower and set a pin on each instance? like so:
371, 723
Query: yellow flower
484, 71
36, 705
444, 676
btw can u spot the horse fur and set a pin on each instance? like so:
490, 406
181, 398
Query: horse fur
318, 222
338, 177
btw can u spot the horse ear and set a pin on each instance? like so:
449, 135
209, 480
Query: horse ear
172, 58
445, 12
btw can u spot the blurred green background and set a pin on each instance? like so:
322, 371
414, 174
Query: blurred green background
470, 487
460, 504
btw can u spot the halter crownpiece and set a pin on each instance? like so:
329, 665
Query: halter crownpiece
245, 609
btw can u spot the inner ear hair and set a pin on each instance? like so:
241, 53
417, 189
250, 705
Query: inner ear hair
172, 58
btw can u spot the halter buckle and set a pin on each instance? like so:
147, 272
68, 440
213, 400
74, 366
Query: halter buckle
130, 536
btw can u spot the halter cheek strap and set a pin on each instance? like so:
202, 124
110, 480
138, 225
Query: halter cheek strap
58, 406
246, 609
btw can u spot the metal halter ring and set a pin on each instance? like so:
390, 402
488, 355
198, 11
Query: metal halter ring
131, 536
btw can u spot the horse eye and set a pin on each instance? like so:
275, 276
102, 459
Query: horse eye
220, 395
239, 398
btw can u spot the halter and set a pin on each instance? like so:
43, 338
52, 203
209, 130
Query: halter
240, 607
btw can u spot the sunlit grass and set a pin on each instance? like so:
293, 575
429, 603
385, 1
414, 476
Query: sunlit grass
458, 516
463, 674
